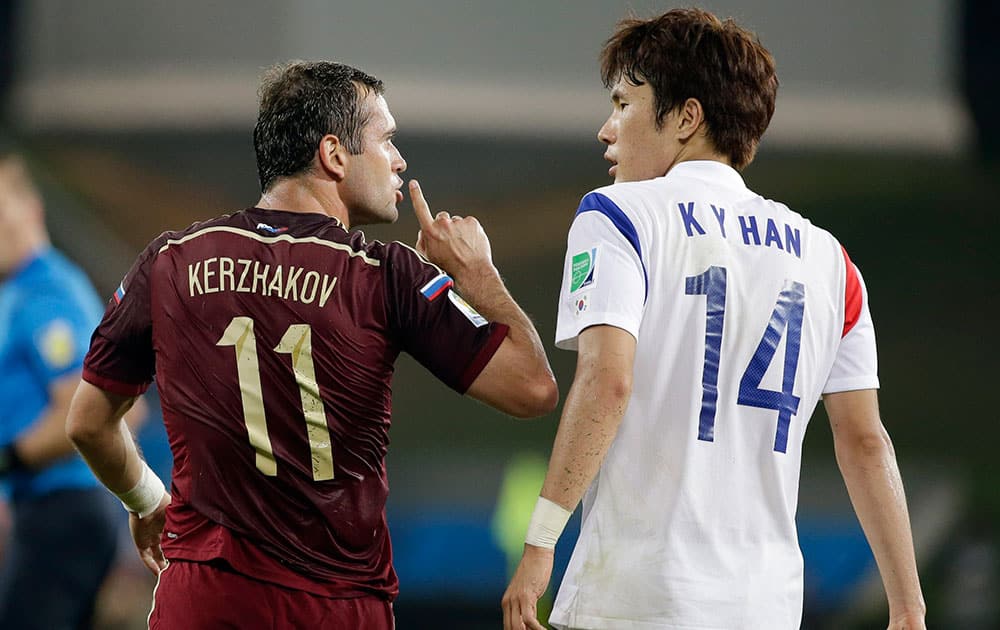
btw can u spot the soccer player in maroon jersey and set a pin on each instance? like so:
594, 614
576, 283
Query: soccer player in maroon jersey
272, 334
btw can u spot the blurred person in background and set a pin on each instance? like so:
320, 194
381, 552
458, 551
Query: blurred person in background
708, 322
273, 334
64, 524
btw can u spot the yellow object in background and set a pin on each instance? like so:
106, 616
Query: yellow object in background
57, 345
519, 489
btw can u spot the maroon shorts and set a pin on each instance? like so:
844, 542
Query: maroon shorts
201, 595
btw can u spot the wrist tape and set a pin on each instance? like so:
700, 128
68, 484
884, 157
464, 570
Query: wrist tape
145, 497
547, 523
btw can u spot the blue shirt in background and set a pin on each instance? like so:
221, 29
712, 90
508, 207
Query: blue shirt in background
48, 311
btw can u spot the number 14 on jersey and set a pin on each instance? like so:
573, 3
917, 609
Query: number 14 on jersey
786, 320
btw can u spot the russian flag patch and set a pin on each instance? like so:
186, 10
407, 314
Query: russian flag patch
433, 289
120, 293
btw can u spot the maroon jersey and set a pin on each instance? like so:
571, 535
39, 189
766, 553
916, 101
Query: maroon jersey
273, 336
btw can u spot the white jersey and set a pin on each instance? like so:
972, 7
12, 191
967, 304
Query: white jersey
744, 314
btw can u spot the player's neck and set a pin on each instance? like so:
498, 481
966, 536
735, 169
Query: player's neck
301, 195
699, 152
698, 148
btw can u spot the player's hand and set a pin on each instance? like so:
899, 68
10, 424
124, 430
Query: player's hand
456, 244
146, 534
520, 602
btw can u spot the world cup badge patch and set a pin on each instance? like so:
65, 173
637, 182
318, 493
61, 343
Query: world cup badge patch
583, 269
470, 313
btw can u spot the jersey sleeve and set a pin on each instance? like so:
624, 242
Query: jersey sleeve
856, 364
604, 278
56, 330
121, 358
433, 323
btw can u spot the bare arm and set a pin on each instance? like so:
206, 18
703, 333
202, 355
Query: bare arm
868, 463
594, 408
95, 425
518, 379
46, 440
590, 420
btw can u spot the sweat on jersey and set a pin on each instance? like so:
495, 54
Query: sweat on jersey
744, 313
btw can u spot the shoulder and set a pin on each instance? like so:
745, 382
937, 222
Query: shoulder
374, 252
817, 231
623, 196
404, 258
638, 202
670, 185
54, 269
56, 280
406, 272
74, 311
618, 208
175, 237
818, 235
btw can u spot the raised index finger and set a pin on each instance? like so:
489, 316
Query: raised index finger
420, 207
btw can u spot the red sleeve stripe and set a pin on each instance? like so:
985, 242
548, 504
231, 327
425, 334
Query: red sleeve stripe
485, 354
852, 294
113, 386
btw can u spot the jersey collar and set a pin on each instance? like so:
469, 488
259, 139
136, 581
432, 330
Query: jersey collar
709, 170
299, 216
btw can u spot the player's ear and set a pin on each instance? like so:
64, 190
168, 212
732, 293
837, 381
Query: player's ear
332, 156
690, 116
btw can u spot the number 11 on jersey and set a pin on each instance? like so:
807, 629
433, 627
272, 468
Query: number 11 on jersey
786, 320
297, 342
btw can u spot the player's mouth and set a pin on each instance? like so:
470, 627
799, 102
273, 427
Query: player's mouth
614, 165
398, 193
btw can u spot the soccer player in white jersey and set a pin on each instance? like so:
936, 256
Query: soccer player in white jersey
708, 322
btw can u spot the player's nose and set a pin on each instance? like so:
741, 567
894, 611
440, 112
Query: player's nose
398, 164
606, 133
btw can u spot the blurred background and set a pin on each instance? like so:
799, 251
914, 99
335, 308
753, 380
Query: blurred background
136, 117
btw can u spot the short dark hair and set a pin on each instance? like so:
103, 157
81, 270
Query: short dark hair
302, 101
690, 53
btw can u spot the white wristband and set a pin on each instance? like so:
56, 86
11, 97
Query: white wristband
547, 523
145, 497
